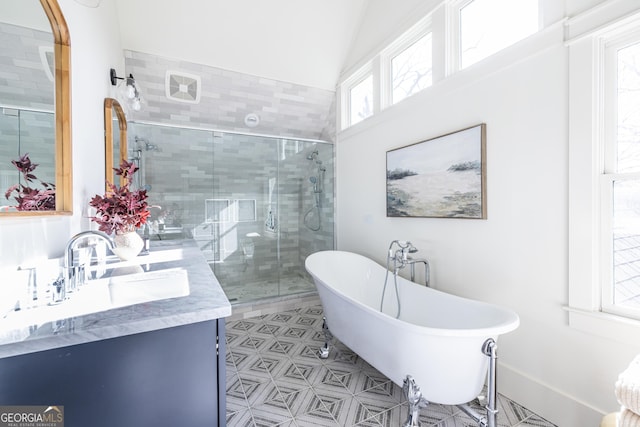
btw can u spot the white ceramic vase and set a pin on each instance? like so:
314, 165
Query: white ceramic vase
127, 245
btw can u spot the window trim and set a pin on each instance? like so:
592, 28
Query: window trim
444, 77
442, 21
454, 37
421, 29
345, 92
587, 180
611, 43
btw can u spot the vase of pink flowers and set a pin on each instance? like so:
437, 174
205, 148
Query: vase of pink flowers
121, 211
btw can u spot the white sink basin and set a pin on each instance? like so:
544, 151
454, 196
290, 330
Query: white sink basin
103, 294
137, 288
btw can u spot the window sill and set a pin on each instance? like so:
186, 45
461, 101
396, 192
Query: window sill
621, 329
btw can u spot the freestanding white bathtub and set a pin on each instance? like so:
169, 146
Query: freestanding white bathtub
437, 339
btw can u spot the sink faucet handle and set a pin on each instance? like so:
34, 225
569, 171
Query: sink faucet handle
58, 291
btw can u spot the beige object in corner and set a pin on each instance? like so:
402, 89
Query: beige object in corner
610, 420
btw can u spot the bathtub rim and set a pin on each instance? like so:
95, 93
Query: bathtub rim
511, 322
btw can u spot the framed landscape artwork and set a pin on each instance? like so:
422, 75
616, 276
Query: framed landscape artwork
443, 177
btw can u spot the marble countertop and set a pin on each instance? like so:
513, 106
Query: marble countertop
22, 332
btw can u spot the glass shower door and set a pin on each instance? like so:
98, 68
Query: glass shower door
176, 170
256, 206
306, 209
247, 215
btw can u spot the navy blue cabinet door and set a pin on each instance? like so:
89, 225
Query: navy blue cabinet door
169, 377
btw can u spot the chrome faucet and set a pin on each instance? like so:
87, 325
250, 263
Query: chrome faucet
412, 263
74, 273
398, 252
401, 258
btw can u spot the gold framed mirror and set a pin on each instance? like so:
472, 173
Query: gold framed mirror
56, 60
115, 144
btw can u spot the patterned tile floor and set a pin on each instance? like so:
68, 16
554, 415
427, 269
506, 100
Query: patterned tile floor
274, 378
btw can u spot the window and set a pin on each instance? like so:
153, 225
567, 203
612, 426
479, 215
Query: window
487, 26
411, 69
469, 31
400, 70
604, 171
361, 100
620, 180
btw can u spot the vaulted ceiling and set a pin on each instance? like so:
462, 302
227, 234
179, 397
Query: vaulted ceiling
298, 41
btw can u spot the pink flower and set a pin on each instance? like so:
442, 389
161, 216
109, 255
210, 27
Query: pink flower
31, 199
121, 210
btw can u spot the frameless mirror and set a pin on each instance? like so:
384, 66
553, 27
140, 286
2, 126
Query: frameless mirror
115, 139
35, 108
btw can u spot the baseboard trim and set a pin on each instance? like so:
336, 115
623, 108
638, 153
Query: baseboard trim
550, 403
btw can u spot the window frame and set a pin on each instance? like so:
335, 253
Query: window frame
442, 22
610, 45
405, 41
379, 67
454, 29
589, 186
345, 93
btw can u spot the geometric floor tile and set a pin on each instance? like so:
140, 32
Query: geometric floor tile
275, 378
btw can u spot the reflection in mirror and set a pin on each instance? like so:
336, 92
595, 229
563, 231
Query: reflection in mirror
115, 142
34, 108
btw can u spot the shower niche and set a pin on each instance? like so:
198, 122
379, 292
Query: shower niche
257, 206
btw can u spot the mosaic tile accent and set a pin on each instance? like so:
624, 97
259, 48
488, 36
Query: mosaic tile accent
275, 378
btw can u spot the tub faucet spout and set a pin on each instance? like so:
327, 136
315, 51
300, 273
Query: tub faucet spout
412, 263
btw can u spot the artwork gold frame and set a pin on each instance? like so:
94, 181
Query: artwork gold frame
442, 177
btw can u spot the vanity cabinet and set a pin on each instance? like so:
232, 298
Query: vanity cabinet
165, 377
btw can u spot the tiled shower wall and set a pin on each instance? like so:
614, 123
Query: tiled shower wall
187, 167
192, 165
24, 84
23, 80
226, 97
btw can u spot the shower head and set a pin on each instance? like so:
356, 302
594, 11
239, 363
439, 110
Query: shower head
148, 146
313, 179
313, 155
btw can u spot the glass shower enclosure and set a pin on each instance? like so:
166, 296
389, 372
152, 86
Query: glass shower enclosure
256, 206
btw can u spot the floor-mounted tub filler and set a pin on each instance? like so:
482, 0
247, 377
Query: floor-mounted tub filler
438, 347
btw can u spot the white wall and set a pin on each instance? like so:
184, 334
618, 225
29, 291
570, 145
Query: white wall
518, 257
95, 47
302, 42
381, 23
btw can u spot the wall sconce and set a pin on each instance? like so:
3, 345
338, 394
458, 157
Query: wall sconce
131, 91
